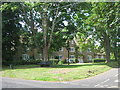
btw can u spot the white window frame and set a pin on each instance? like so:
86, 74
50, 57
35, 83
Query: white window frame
73, 56
40, 56
52, 57
72, 49
96, 56
61, 49
72, 42
102, 57
88, 50
90, 57
25, 56
59, 57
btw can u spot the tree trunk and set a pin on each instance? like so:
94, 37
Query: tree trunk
68, 56
107, 47
115, 50
76, 54
45, 31
68, 48
53, 27
45, 53
107, 54
115, 55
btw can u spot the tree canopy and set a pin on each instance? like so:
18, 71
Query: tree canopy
45, 24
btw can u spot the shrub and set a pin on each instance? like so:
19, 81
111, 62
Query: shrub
6, 63
99, 60
61, 62
25, 62
54, 61
113, 64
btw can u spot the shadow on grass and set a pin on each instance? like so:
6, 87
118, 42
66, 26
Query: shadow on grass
52, 66
111, 64
20, 67
75, 66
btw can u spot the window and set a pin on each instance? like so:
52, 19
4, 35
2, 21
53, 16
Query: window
28, 48
25, 56
72, 49
60, 56
97, 56
88, 50
61, 49
102, 57
72, 42
52, 57
89, 57
72, 56
40, 56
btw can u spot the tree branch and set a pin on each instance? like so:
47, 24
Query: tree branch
24, 11
53, 26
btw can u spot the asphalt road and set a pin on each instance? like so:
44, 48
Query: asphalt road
108, 79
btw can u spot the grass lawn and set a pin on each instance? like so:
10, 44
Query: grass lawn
57, 72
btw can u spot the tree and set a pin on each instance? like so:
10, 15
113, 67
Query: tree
10, 30
49, 18
100, 19
113, 25
82, 29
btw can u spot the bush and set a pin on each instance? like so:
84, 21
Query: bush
20, 62
113, 64
99, 60
6, 63
54, 61
60, 62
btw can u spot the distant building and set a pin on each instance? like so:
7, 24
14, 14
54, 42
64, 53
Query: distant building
83, 56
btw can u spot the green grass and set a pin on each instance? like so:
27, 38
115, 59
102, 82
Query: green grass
57, 72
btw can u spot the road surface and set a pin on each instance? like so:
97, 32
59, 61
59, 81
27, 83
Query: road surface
108, 79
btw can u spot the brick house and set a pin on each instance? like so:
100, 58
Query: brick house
82, 56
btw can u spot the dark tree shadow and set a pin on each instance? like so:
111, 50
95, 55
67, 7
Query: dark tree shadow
111, 64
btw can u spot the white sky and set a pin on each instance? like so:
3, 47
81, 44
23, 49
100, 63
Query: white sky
65, 23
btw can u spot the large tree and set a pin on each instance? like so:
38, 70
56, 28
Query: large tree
49, 18
98, 20
10, 30
102, 18
113, 24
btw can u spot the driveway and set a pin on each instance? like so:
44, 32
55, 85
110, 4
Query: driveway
108, 79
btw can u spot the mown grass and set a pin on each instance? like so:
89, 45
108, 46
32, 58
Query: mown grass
57, 72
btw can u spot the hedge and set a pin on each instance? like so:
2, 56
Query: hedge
54, 61
98, 60
101, 60
20, 62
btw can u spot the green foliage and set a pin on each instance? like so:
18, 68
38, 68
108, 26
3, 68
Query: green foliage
6, 62
54, 61
101, 60
114, 64
10, 30
82, 18
105, 20
61, 62
98, 60
20, 62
